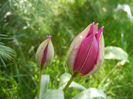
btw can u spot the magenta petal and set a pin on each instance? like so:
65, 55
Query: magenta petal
44, 55
82, 53
95, 29
99, 33
92, 57
90, 30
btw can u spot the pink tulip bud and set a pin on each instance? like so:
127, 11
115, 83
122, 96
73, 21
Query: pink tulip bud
86, 53
45, 52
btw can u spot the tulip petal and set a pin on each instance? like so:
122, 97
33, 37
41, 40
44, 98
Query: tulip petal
100, 56
91, 59
91, 30
45, 52
83, 53
40, 50
84, 48
95, 29
44, 55
50, 52
99, 33
76, 43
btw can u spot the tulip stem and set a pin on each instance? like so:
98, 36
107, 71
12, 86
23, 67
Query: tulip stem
38, 94
70, 81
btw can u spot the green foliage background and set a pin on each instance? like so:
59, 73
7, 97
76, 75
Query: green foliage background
25, 23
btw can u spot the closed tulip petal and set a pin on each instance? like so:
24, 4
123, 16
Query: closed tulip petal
44, 55
72, 52
91, 59
50, 52
101, 54
45, 52
83, 53
99, 33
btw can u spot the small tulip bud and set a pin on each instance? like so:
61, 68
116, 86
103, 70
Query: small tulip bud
86, 53
45, 52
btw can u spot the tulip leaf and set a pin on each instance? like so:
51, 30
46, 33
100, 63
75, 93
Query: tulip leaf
91, 94
112, 52
53, 94
44, 85
65, 78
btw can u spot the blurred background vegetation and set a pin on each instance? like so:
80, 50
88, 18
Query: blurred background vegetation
24, 24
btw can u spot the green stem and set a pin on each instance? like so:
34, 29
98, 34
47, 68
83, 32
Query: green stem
70, 81
39, 82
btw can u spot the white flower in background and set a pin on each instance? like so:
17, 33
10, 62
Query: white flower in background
126, 8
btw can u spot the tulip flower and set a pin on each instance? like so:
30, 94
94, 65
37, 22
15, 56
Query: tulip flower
44, 56
45, 52
86, 52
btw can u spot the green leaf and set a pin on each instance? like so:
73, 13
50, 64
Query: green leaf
53, 94
6, 53
112, 52
44, 85
65, 78
90, 94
